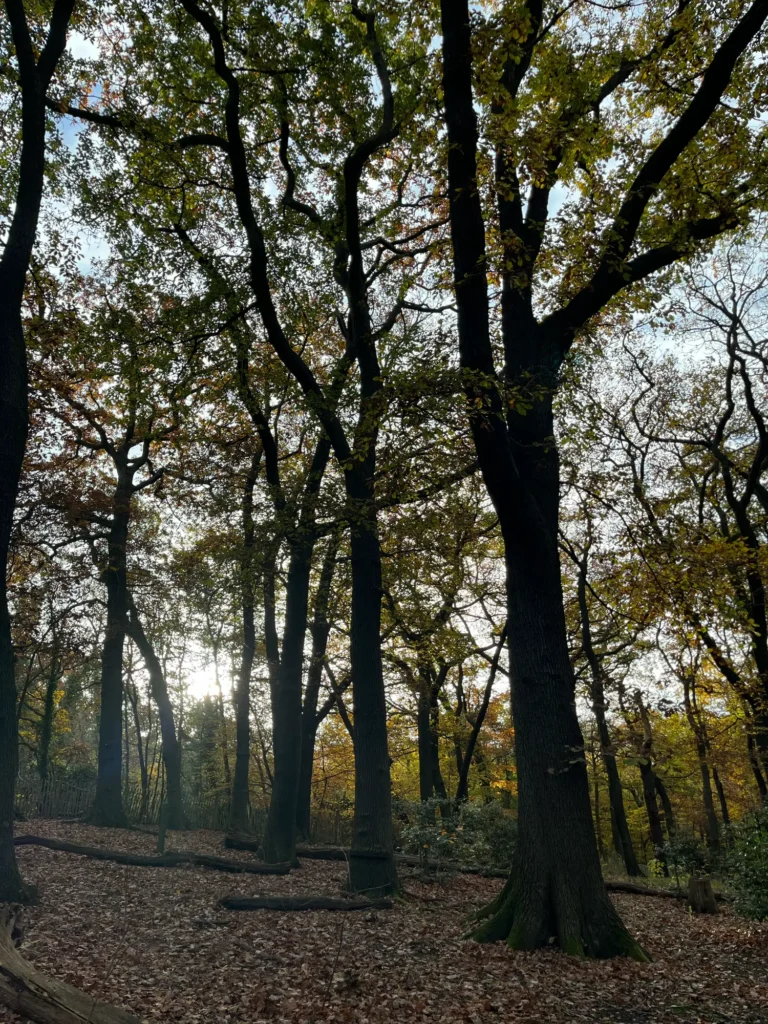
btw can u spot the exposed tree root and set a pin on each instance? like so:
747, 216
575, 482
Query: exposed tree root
35, 995
165, 860
301, 903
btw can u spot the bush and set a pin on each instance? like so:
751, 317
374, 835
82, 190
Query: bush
479, 834
685, 855
747, 867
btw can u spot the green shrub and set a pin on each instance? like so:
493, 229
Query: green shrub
747, 867
479, 834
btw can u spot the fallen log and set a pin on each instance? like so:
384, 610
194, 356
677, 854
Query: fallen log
301, 903
39, 997
241, 841
163, 860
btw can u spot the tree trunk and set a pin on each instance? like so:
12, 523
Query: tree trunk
462, 788
320, 630
622, 840
238, 814
280, 833
177, 819
754, 763
107, 807
46, 725
35, 71
555, 888
702, 751
438, 783
725, 814
372, 865
666, 803
133, 698
424, 739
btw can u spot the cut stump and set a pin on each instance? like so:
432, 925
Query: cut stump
701, 898
32, 994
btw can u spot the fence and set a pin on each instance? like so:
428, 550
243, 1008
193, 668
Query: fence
57, 798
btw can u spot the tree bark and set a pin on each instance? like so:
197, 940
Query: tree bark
35, 73
310, 720
702, 755
177, 819
666, 803
107, 807
238, 815
372, 826
46, 724
622, 840
754, 762
28, 992
462, 788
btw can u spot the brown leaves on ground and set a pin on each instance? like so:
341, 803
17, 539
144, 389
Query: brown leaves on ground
154, 941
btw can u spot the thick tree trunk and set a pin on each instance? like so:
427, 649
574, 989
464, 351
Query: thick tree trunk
35, 71
107, 807
280, 833
177, 819
238, 814
372, 865
555, 888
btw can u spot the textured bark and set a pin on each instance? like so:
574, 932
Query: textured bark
37, 996
301, 903
701, 898
724, 812
666, 803
35, 72
754, 763
177, 819
107, 807
164, 860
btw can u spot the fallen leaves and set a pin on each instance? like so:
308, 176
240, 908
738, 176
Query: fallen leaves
154, 941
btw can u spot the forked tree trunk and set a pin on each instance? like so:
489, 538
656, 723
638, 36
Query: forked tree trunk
171, 747
555, 888
107, 807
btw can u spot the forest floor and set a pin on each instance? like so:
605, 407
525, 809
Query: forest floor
154, 941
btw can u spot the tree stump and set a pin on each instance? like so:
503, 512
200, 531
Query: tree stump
35, 995
701, 897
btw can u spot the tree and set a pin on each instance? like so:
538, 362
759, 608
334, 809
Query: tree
37, 66
655, 215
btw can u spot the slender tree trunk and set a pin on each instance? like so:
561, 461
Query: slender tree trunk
596, 805
238, 814
438, 783
310, 720
666, 803
424, 738
177, 819
107, 807
46, 725
652, 810
702, 751
133, 698
462, 788
622, 840
754, 763
222, 723
724, 813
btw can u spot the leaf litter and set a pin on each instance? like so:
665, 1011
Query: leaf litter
155, 941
